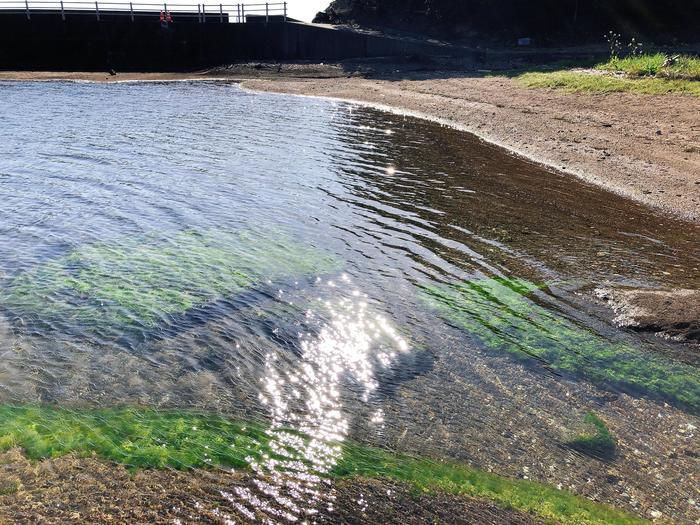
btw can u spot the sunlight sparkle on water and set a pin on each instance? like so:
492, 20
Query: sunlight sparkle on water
308, 422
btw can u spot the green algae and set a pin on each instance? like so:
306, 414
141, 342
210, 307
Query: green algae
500, 314
425, 475
180, 439
597, 441
132, 436
142, 282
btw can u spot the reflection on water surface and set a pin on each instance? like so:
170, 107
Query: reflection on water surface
346, 286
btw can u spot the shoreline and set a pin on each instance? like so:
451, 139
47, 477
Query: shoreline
640, 171
642, 147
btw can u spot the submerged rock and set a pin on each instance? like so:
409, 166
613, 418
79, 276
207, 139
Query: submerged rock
674, 314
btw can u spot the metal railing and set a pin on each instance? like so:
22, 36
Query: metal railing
167, 12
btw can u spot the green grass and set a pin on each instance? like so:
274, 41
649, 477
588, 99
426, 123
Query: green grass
653, 65
142, 282
549, 503
597, 441
183, 439
501, 315
575, 82
644, 74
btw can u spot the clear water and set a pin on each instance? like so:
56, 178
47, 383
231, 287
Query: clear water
294, 261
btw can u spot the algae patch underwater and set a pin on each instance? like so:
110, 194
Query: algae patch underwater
130, 436
500, 315
597, 441
139, 283
186, 439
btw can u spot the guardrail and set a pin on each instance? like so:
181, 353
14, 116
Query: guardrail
229, 13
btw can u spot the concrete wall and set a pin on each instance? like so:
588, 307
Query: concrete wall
81, 42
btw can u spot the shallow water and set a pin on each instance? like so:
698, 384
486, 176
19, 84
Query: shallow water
339, 274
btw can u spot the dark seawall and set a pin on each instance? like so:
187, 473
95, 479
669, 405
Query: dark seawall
82, 42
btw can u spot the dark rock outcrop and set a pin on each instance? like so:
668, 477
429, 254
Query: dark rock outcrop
544, 21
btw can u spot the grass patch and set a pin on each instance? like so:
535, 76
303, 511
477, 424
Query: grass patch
574, 82
183, 439
652, 74
141, 283
133, 437
655, 65
597, 441
502, 316
9, 486
555, 506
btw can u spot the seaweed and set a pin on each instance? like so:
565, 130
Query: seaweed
500, 314
182, 439
143, 283
598, 441
136, 437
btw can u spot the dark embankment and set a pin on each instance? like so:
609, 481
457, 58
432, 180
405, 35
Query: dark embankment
82, 42
547, 22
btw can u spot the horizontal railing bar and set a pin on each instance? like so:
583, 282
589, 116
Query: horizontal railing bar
205, 13
126, 7
92, 4
7, 2
213, 7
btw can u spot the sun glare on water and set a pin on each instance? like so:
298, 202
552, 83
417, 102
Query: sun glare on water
308, 421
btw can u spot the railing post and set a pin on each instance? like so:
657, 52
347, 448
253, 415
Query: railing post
26, 5
63, 13
131, 10
285, 11
97, 11
238, 15
199, 13
267, 13
204, 14
243, 13
221, 14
